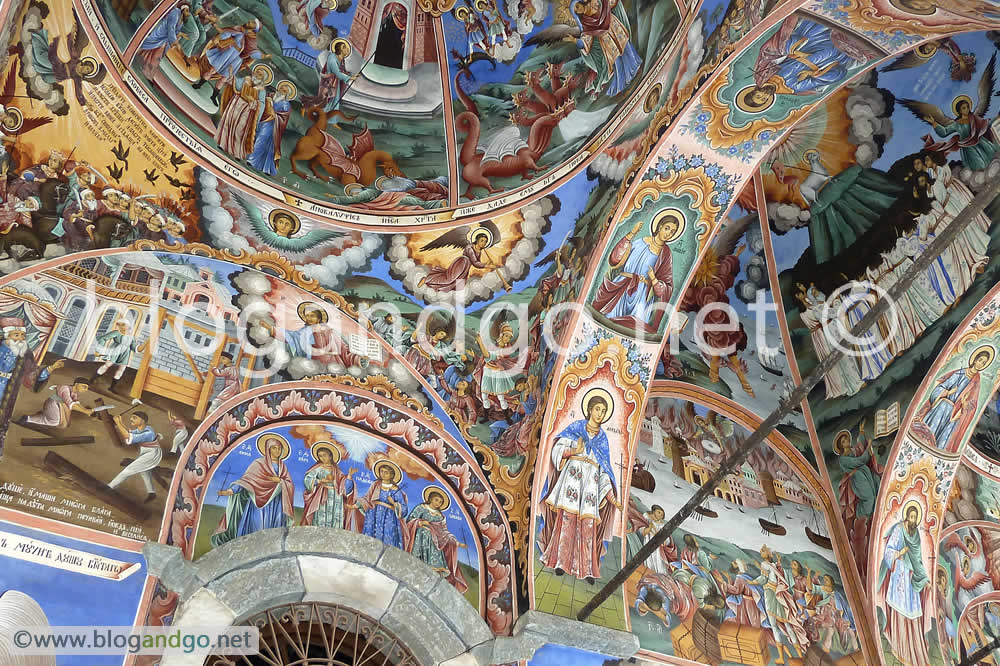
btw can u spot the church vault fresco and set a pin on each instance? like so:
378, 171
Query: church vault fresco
440, 273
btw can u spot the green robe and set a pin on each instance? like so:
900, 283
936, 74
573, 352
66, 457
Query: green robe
977, 157
850, 204
423, 540
864, 482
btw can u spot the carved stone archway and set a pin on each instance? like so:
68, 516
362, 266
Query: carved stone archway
298, 566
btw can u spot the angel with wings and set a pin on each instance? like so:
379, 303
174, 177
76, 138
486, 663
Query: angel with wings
55, 71
968, 131
474, 243
283, 231
12, 121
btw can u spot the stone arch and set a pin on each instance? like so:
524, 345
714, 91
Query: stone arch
315, 564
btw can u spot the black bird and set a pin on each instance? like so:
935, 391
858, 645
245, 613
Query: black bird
121, 153
187, 194
151, 176
176, 182
177, 160
116, 172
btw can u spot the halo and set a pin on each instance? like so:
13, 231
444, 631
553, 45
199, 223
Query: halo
93, 61
904, 5
318, 446
341, 40
286, 450
920, 510
397, 473
462, 12
481, 5
662, 216
652, 97
596, 392
836, 438
481, 231
435, 490
973, 547
745, 105
285, 83
268, 77
960, 98
353, 188
811, 151
305, 306
277, 212
926, 50
18, 118
979, 350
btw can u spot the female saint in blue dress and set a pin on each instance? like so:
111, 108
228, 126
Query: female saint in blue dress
384, 506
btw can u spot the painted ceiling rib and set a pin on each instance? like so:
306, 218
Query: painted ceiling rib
937, 246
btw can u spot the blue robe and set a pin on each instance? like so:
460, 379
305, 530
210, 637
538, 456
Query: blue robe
262, 157
229, 60
382, 521
164, 33
820, 51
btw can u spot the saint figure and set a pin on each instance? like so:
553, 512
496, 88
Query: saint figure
262, 497
430, 540
329, 494
580, 494
903, 585
953, 403
384, 506
645, 281
18, 368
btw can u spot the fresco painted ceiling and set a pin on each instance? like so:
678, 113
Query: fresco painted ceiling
529, 273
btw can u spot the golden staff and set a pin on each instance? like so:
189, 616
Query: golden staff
506, 284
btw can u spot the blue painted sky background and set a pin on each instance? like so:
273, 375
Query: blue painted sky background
300, 460
71, 599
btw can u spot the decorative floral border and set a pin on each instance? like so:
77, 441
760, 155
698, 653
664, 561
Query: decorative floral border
339, 404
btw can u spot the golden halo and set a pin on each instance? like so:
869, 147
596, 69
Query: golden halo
288, 85
906, 6
397, 474
264, 439
306, 306
481, 5
743, 99
665, 214
462, 13
960, 98
836, 438
268, 76
435, 490
93, 61
920, 510
281, 212
597, 392
341, 40
319, 446
481, 231
926, 50
988, 349
652, 97
12, 119
353, 188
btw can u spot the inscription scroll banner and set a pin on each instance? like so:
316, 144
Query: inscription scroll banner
70, 559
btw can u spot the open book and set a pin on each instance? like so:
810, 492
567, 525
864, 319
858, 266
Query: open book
365, 346
886, 420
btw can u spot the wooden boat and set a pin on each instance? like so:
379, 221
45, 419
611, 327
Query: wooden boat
772, 528
704, 511
819, 539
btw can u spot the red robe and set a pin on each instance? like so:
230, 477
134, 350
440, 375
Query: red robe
444, 541
612, 291
449, 279
257, 481
316, 498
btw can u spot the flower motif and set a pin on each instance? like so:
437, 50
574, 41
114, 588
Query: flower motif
696, 161
712, 170
702, 117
